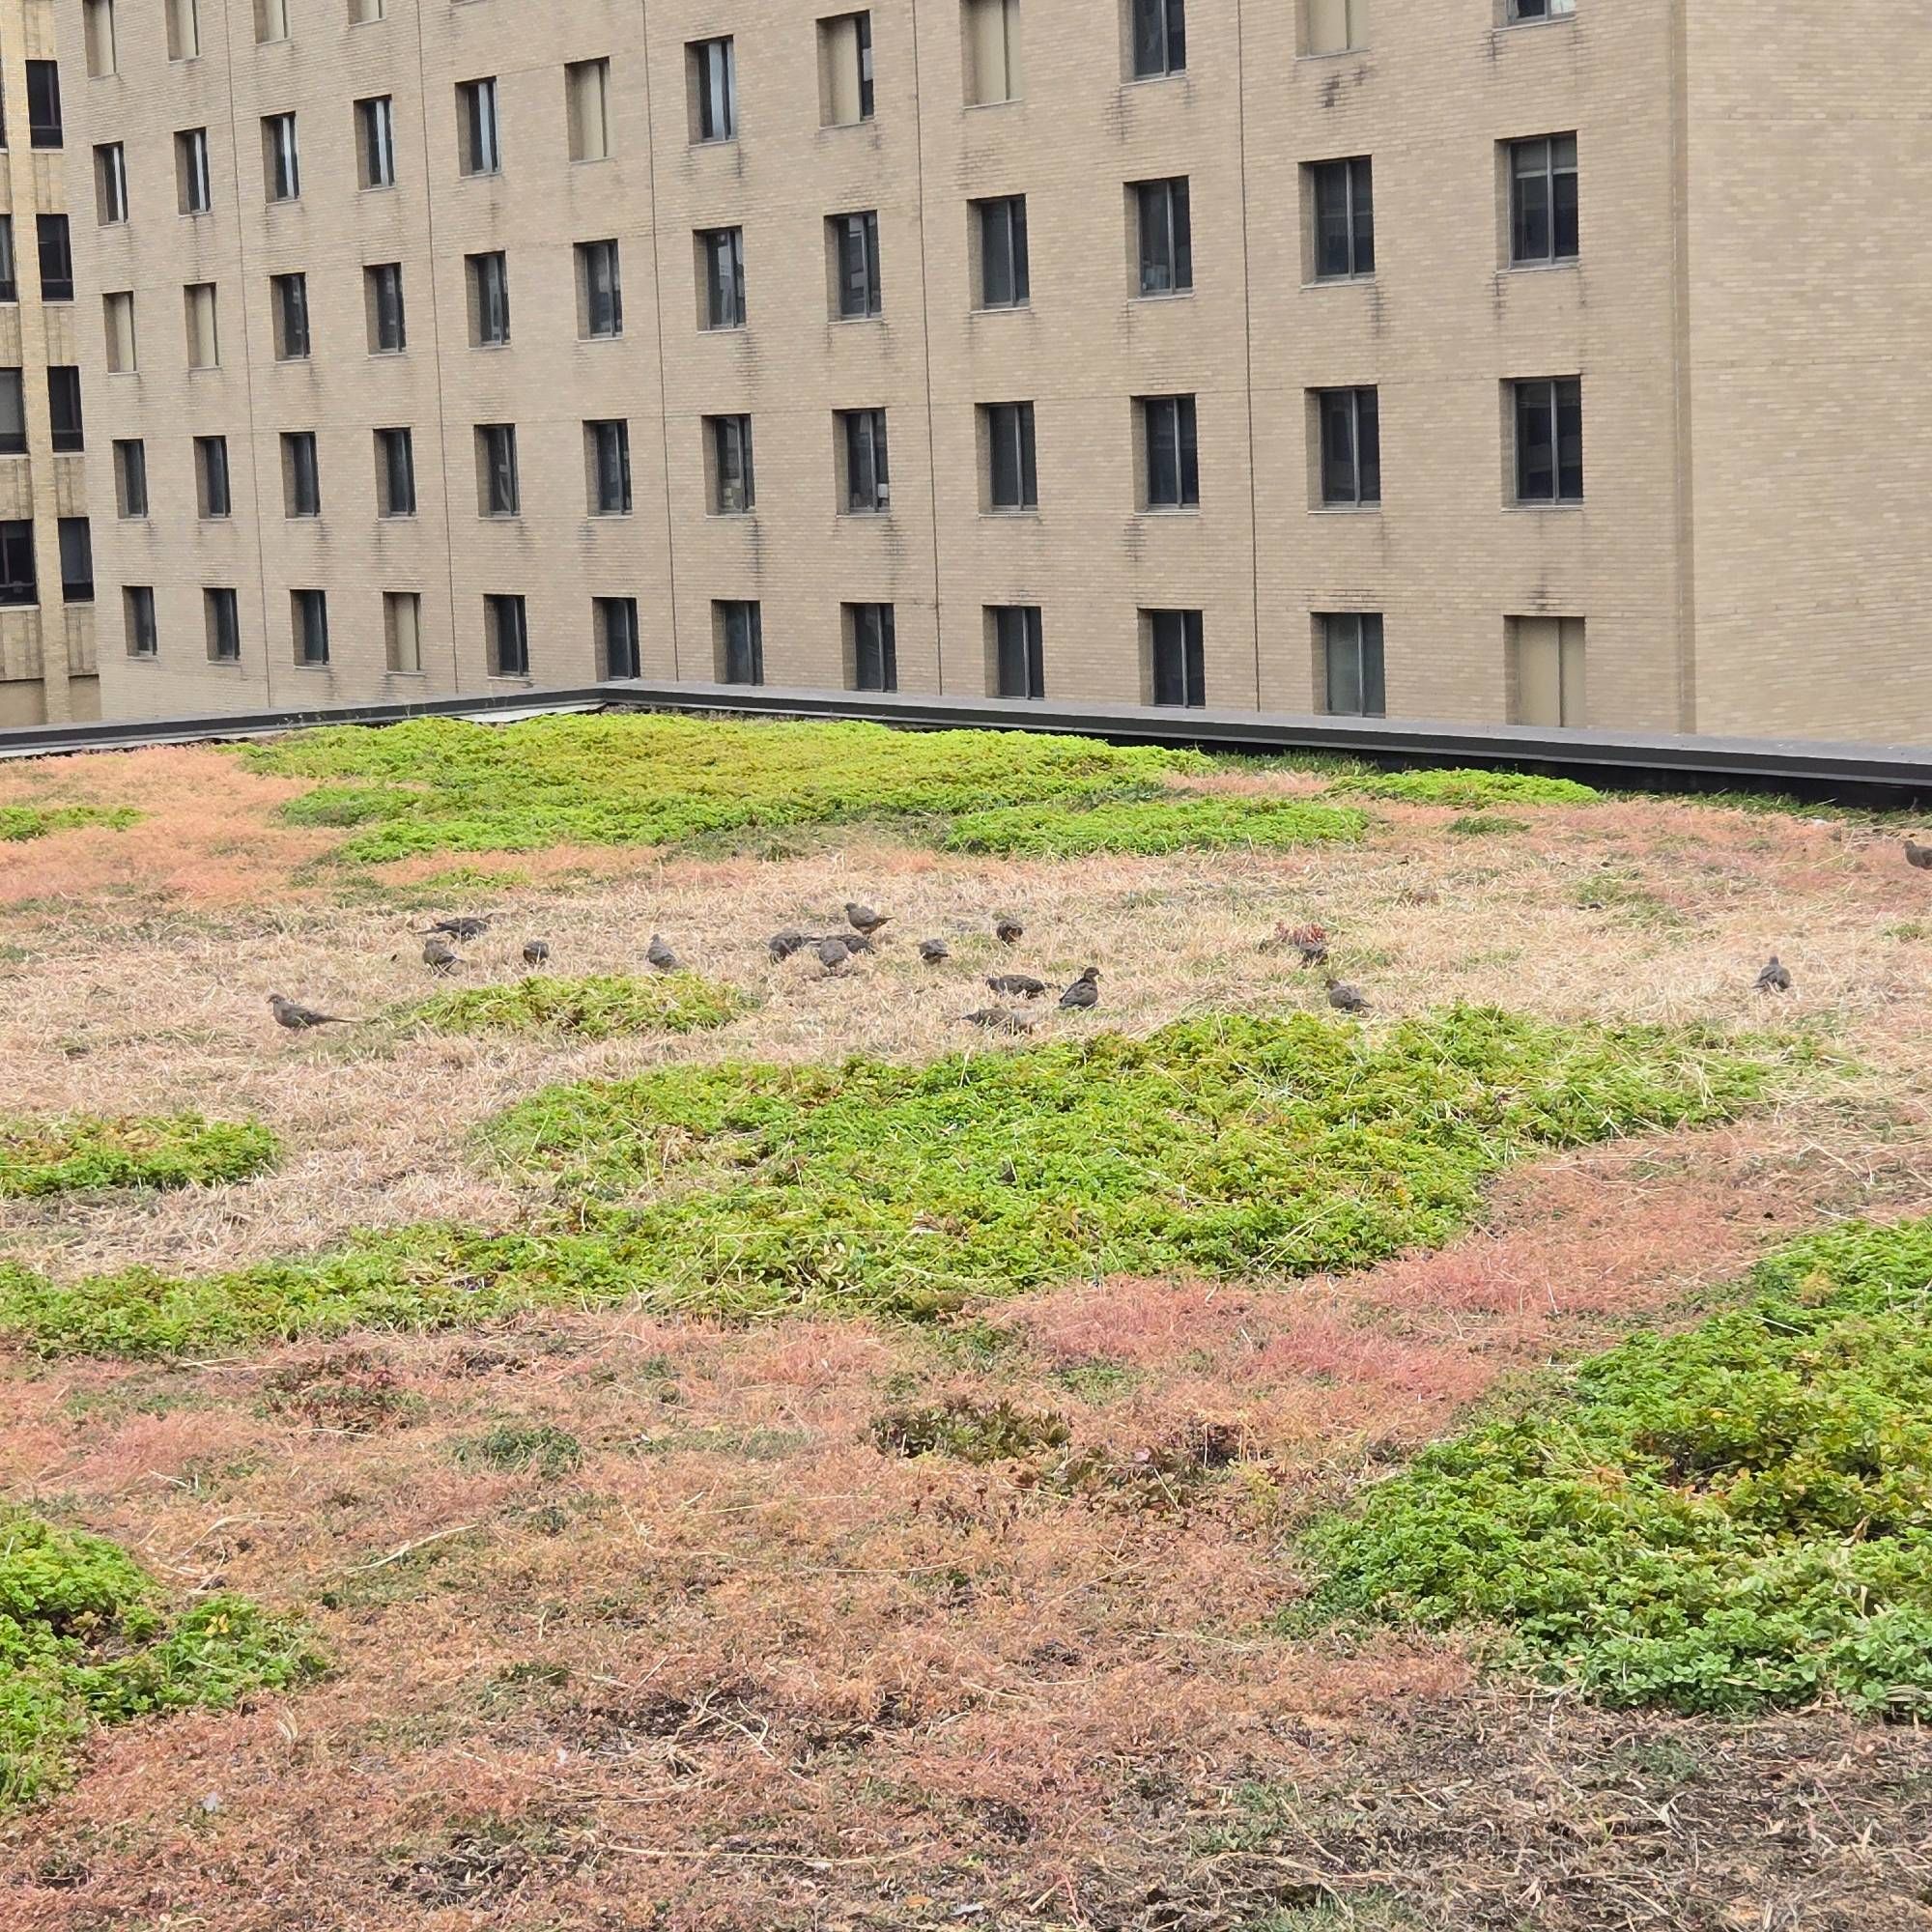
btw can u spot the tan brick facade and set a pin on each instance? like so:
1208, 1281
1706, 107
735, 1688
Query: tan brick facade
1748, 314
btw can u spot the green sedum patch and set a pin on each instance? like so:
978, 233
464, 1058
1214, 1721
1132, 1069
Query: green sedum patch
1714, 1521
1474, 790
85, 1641
443, 786
603, 1006
1153, 826
79, 1151
18, 822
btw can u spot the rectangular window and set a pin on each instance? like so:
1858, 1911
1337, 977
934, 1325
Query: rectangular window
600, 290
193, 185
507, 636
290, 294
200, 317
9, 282
137, 617
868, 487
874, 663
301, 474
1543, 200
281, 160
43, 104
616, 619
213, 496
1351, 665
375, 141
1176, 670
104, 53
1546, 669
489, 300
587, 94
221, 620
845, 71
1166, 236
992, 52
183, 21
271, 20
1172, 464
63, 410
721, 251
607, 448
117, 312
395, 473
1541, 10
18, 582
130, 474
402, 632
479, 149
1351, 446
1011, 480
110, 183
1020, 659
739, 635
76, 560
12, 414
855, 246
1342, 194
1336, 26
1160, 37
1550, 440
382, 287
733, 493
361, 13
714, 90
56, 246
1004, 277
308, 616
498, 488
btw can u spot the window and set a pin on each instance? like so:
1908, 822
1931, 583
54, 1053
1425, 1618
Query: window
104, 53
479, 150
308, 614
395, 473
118, 319
110, 183
855, 255
1176, 673
600, 290
191, 177
301, 474
9, 282
63, 410
76, 560
1166, 236
728, 448
213, 498
1351, 665
402, 632
56, 258
1540, 10
1543, 200
130, 473
1351, 446
868, 483
1550, 440
290, 294
203, 337
12, 414
508, 636
281, 160
714, 90
137, 617
375, 141
1336, 26
1020, 663
587, 93
607, 448
489, 300
1160, 37
617, 651
1546, 672
361, 13
221, 620
388, 333
19, 583
1004, 274
1343, 196
722, 252
739, 636
874, 664
184, 29
43, 104
1011, 481
499, 491
271, 20
992, 52
845, 71
1172, 464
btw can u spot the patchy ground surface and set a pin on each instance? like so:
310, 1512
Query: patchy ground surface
643, 1622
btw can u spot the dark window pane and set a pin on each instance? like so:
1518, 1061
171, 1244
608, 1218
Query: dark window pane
76, 560
1570, 441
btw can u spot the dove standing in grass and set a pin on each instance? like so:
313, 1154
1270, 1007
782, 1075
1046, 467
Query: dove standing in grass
1010, 933
998, 1019
1775, 977
833, 953
934, 952
1917, 856
537, 952
783, 945
301, 1019
1347, 998
440, 956
462, 930
660, 956
1024, 985
863, 919
1083, 993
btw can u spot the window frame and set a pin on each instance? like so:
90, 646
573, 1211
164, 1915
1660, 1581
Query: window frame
871, 634
1556, 396
1179, 417
726, 245
607, 448
866, 449
1164, 212
393, 505
1355, 174
1157, 39
1346, 633
1350, 470
375, 141
1018, 645
506, 623
714, 84
746, 646
1181, 631
730, 450
1537, 162
214, 480
1012, 487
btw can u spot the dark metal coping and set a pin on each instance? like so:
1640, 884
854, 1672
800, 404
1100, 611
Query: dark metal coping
1893, 774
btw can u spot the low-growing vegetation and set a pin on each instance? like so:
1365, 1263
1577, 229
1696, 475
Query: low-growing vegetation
21, 822
518, 1448
1154, 826
81, 1151
973, 1431
601, 1006
1474, 790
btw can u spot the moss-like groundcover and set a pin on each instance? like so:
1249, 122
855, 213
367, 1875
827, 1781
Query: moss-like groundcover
18, 822
1473, 790
1227, 1147
85, 1641
77, 1152
601, 1007
1719, 1520
1152, 825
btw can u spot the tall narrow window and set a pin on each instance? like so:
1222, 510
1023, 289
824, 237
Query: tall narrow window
382, 288
9, 280
301, 474
1011, 482
214, 499
118, 323
507, 636
600, 290
19, 583
76, 560
1351, 654
402, 632
1550, 440
1547, 679
221, 620
70, 434
1172, 464
376, 140
1543, 200
308, 614
183, 24
721, 256
289, 296
616, 626
1351, 446
1177, 672
729, 454
489, 300
361, 13
714, 90
1004, 275
1020, 659
104, 53
586, 88
499, 488
204, 336
1166, 236
137, 615
43, 104
480, 149
1160, 37
607, 448
1336, 26
281, 158
845, 70
271, 20
130, 470
56, 258
874, 664
855, 244
193, 185
12, 414
110, 183
992, 52
739, 635
395, 473
868, 480
1342, 196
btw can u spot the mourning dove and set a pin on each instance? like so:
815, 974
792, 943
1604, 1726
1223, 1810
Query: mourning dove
1347, 998
440, 956
660, 956
1022, 983
863, 919
934, 952
300, 1019
1085, 991
537, 952
1775, 977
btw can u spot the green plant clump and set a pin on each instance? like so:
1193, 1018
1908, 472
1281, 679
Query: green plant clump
1715, 1521
1474, 790
1228, 1146
441, 785
79, 1151
972, 1430
1487, 825
537, 1447
1177, 823
603, 1006
85, 1641
18, 822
